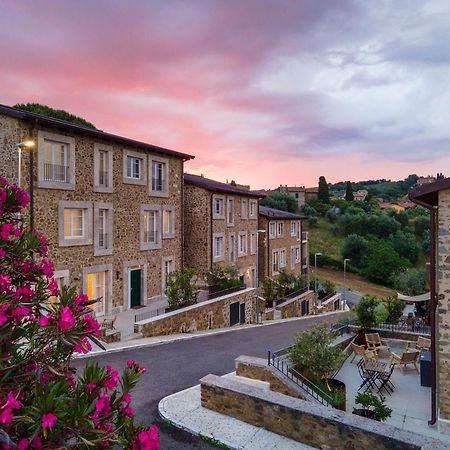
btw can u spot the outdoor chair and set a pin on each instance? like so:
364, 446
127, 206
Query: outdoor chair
366, 376
375, 343
108, 324
385, 379
358, 350
422, 344
405, 358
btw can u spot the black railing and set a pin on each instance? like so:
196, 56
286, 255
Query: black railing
278, 361
217, 294
55, 172
291, 295
102, 240
149, 314
399, 327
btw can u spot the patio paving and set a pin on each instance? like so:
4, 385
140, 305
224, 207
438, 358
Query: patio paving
410, 402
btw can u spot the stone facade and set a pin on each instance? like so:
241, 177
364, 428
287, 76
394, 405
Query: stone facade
203, 225
119, 229
207, 315
298, 306
304, 421
334, 303
293, 243
443, 310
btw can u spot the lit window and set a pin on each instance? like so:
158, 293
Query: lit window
282, 258
73, 223
218, 247
150, 227
56, 167
275, 263
242, 244
96, 290
134, 167
168, 223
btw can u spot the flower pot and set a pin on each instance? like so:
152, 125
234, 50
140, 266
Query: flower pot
339, 386
369, 414
360, 338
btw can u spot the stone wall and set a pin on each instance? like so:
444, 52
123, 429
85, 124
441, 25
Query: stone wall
443, 311
126, 200
329, 304
306, 422
202, 316
293, 307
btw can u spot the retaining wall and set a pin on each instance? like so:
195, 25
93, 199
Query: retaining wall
292, 307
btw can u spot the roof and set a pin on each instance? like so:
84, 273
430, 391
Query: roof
428, 194
98, 134
272, 213
217, 186
312, 189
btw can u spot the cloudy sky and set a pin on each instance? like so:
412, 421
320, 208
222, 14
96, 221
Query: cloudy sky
263, 92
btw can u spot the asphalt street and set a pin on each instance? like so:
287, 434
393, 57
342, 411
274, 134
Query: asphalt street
175, 366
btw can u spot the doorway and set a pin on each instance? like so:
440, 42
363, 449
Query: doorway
135, 287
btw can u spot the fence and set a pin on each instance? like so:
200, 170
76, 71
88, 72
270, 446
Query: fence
225, 292
277, 360
400, 327
149, 314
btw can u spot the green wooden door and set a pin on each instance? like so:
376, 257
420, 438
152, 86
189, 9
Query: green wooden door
135, 287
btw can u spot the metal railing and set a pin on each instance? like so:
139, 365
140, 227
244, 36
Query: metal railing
399, 327
149, 314
103, 240
217, 294
55, 172
277, 360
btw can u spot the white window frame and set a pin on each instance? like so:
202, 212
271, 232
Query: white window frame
166, 173
44, 136
242, 235
221, 200
230, 211
164, 261
108, 250
272, 230
158, 221
142, 180
86, 239
298, 254
275, 258
171, 233
108, 269
252, 242
232, 247
244, 208
282, 257
292, 258
216, 237
294, 228
98, 148
252, 205
280, 229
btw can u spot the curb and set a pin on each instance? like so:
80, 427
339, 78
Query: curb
198, 335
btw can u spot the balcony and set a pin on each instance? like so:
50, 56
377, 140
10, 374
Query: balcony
56, 173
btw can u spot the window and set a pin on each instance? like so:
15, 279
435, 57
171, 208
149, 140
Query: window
242, 243
275, 263
62, 279
282, 257
103, 229
103, 168
168, 222
159, 172
252, 242
96, 289
74, 226
168, 266
230, 211
253, 209
56, 161
150, 227
272, 230
232, 249
292, 257
294, 229
134, 167
218, 244
297, 255
244, 208
218, 207
280, 229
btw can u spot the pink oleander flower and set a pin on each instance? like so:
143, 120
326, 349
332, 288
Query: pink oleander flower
91, 387
11, 401
37, 443
3, 316
47, 268
48, 420
23, 293
147, 440
6, 416
2, 253
70, 379
66, 320
80, 301
90, 325
128, 411
5, 231
83, 347
19, 313
44, 321
113, 381
5, 283
130, 363
53, 288
23, 444
126, 398
102, 406
17, 232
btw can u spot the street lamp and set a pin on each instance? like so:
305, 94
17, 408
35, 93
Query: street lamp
315, 280
345, 277
257, 273
19, 146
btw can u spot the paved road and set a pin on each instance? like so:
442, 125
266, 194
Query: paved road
176, 366
352, 297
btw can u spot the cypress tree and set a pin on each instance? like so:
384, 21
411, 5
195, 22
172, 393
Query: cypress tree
349, 192
324, 193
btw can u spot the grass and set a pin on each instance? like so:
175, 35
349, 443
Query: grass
214, 442
322, 239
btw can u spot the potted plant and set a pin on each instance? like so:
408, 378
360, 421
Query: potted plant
179, 290
315, 357
372, 406
369, 312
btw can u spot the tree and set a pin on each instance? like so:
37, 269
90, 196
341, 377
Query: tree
45, 110
354, 248
395, 308
365, 312
405, 245
179, 287
280, 200
42, 403
349, 192
409, 281
324, 193
421, 225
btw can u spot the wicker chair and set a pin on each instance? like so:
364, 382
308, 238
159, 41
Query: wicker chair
375, 343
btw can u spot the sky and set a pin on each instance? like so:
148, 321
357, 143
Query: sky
262, 92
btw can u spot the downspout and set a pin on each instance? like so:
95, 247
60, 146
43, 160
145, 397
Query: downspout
268, 248
182, 213
211, 243
433, 228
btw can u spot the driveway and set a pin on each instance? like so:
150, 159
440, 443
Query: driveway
175, 366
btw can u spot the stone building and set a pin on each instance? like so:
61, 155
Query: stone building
436, 198
301, 194
110, 206
220, 226
283, 245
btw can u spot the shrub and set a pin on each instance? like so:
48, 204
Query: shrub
354, 248
409, 281
179, 288
372, 406
365, 312
395, 308
42, 404
381, 313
